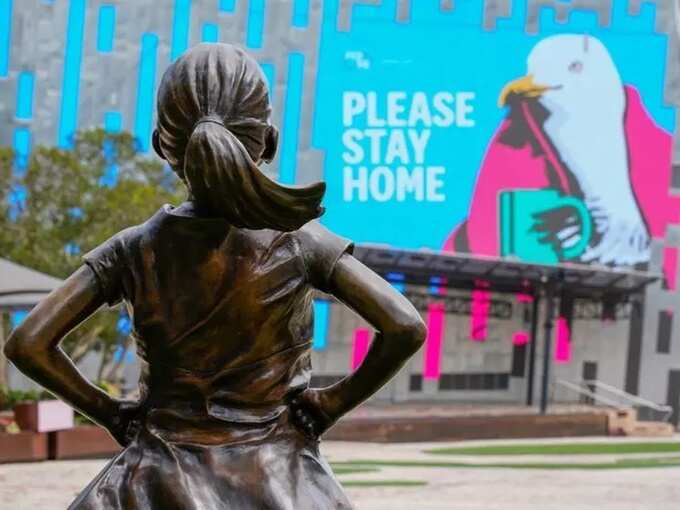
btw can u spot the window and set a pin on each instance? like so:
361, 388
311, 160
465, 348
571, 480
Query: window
519, 357
503, 381
321, 381
663, 335
489, 381
675, 177
416, 382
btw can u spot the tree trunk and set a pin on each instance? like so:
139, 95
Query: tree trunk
116, 371
85, 344
106, 356
3, 361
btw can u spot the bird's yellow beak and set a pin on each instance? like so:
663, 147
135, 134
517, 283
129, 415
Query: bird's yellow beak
524, 86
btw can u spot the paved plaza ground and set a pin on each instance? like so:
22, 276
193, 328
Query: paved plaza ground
411, 477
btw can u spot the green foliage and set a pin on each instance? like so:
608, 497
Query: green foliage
109, 388
6, 158
58, 182
10, 398
79, 420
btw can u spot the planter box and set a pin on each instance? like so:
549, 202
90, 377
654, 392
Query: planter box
44, 416
6, 417
82, 442
457, 428
23, 447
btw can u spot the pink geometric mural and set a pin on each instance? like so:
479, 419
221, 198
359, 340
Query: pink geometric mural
520, 338
670, 266
479, 314
563, 341
360, 345
433, 342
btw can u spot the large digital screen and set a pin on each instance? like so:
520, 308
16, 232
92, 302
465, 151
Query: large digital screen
548, 147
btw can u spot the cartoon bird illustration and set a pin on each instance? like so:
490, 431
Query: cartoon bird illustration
574, 126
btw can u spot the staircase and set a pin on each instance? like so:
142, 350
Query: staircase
628, 415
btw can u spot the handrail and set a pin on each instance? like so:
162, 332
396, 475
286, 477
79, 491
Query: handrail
624, 399
591, 394
632, 398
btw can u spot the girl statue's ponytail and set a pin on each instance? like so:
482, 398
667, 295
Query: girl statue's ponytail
213, 119
220, 174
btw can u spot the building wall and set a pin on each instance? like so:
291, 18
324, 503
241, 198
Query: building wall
284, 36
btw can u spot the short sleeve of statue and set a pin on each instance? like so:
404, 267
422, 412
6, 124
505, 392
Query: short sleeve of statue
107, 261
321, 250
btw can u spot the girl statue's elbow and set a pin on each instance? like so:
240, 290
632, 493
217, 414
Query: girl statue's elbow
18, 348
419, 332
12, 349
412, 329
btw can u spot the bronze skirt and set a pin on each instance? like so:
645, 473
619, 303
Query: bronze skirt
282, 470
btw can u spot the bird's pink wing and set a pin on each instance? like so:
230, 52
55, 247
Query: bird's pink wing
650, 151
503, 168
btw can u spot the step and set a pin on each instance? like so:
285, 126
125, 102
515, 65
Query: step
651, 429
620, 421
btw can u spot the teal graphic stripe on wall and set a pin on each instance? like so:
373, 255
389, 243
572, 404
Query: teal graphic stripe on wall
146, 90
321, 318
106, 28
70, 93
210, 33
291, 119
227, 5
180, 28
5, 36
255, 29
22, 150
25, 85
300, 13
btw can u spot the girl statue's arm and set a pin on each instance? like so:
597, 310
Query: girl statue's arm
34, 348
400, 332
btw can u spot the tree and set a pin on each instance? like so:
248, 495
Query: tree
70, 209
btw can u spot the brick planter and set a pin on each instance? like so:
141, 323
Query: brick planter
83, 442
458, 428
6, 417
23, 447
43, 416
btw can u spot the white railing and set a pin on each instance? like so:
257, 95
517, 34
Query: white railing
605, 394
584, 392
659, 412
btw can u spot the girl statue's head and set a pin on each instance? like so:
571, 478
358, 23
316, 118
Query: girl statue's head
213, 129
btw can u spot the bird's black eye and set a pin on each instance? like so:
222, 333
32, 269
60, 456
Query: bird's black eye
576, 66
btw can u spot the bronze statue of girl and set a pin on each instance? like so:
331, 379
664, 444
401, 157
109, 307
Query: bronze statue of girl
219, 290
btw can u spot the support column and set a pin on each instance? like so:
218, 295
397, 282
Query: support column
3, 361
532, 349
635, 332
552, 287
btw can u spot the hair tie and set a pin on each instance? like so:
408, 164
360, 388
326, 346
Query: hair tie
209, 119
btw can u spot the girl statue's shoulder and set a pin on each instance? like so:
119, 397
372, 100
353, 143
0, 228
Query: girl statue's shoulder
321, 250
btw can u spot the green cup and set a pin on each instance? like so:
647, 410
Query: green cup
518, 209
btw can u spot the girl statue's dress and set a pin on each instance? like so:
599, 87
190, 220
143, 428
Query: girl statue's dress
221, 359
220, 294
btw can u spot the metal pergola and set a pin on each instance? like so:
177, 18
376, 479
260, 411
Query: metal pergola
505, 275
20, 288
